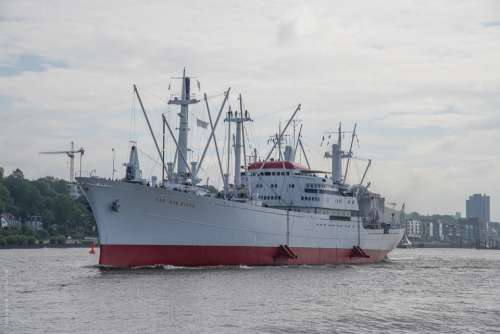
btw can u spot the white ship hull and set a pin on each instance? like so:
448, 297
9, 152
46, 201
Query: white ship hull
152, 226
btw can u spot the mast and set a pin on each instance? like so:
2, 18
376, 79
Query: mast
147, 121
184, 159
237, 152
337, 158
184, 102
297, 142
279, 138
163, 155
366, 171
304, 152
239, 120
228, 120
349, 156
243, 133
280, 154
212, 127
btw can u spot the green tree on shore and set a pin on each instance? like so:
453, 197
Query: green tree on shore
47, 197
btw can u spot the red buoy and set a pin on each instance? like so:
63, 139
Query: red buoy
92, 248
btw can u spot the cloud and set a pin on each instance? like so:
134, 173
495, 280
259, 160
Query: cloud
491, 24
420, 78
298, 23
449, 110
29, 63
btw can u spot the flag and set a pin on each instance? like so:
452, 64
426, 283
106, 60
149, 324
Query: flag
198, 84
201, 124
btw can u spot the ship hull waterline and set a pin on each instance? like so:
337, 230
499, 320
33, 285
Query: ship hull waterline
200, 256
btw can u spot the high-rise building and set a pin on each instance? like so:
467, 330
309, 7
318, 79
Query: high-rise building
478, 206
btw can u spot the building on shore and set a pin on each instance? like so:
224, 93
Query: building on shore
478, 207
34, 223
414, 228
463, 232
9, 220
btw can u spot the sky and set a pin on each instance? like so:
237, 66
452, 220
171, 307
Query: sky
421, 79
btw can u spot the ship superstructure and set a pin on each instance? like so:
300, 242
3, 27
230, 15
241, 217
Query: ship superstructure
273, 211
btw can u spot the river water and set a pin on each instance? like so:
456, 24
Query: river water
414, 291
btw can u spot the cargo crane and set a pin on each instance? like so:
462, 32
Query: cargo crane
71, 154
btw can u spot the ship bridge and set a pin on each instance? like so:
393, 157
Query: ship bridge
290, 185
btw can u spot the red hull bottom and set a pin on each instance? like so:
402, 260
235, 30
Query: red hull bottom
193, 256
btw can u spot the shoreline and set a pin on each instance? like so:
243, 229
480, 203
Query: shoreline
47, 246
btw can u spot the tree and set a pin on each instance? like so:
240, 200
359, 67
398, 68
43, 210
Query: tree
48, 218
26, 196
42, 234
49, 198
18, 174
5, 198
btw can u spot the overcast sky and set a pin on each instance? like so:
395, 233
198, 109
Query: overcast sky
421, 78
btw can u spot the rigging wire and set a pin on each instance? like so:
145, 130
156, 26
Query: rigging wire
156, 162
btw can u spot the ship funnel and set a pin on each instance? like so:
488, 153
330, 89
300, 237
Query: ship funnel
133, 171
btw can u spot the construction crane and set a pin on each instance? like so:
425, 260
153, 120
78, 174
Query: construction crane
71, 155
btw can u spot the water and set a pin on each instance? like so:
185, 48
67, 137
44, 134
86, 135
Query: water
415, 291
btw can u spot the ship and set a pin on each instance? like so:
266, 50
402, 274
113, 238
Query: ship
273, 211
